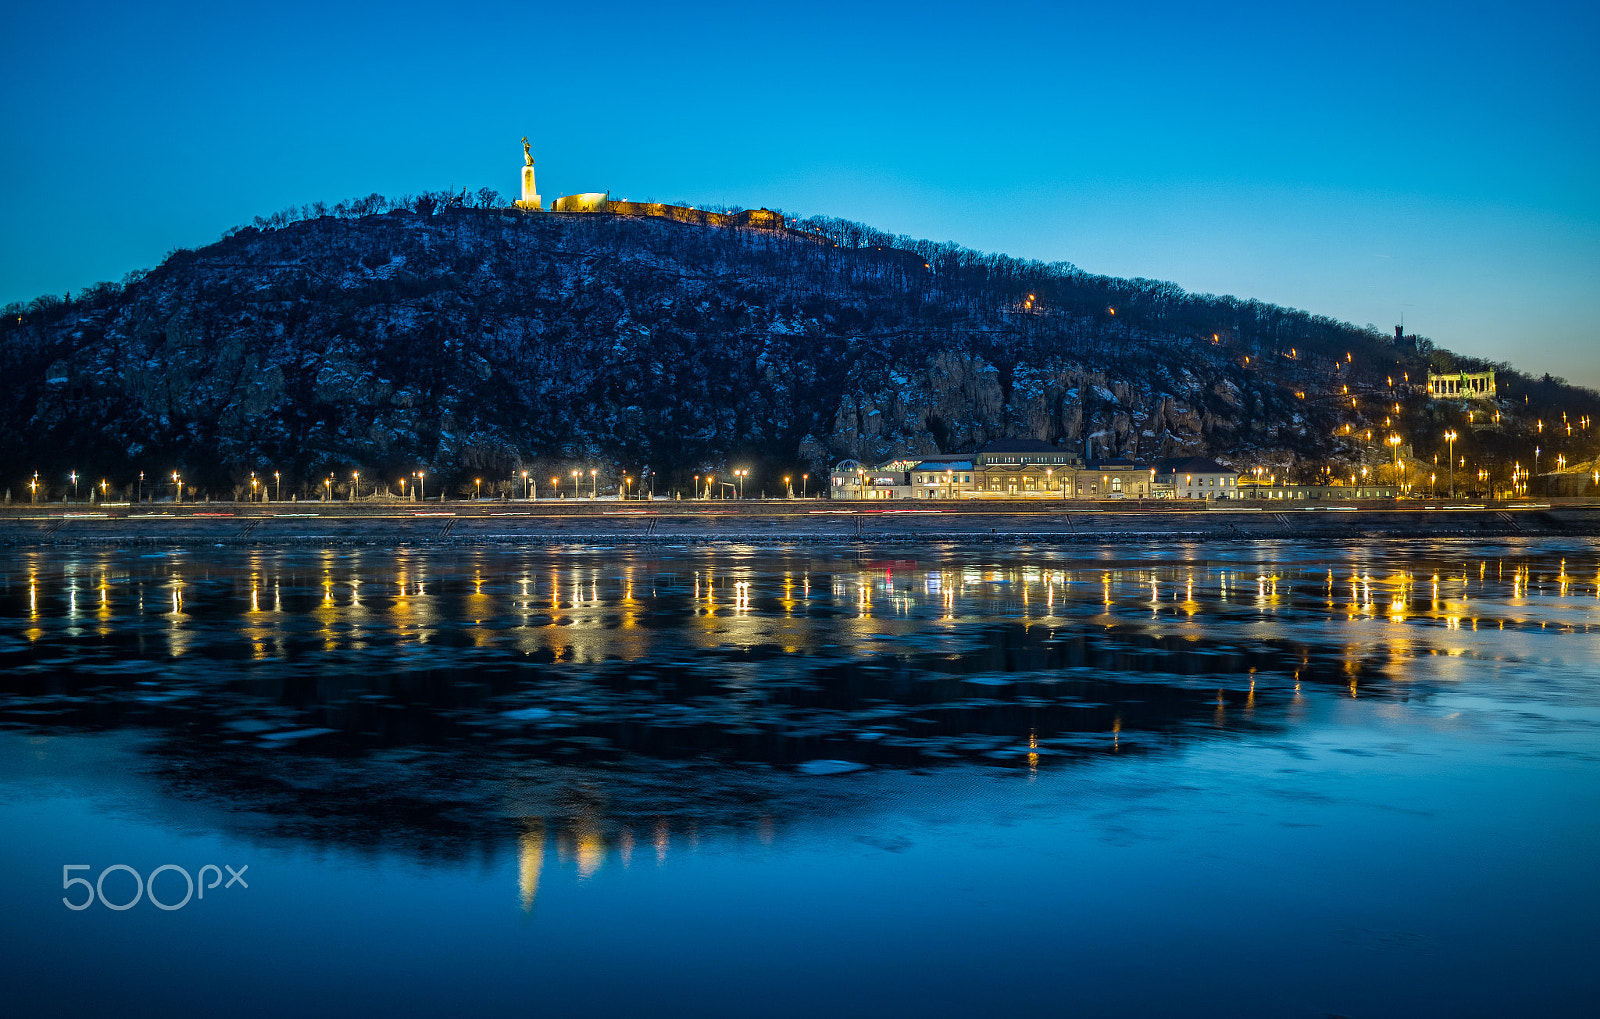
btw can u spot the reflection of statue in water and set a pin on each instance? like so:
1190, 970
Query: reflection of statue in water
527, 152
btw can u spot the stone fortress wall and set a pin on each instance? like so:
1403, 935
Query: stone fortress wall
764, 219
597, 201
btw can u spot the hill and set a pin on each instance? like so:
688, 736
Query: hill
476, 343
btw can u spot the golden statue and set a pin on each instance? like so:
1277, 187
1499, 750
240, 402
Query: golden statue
527, 152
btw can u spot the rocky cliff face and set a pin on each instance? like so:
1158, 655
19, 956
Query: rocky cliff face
479, 343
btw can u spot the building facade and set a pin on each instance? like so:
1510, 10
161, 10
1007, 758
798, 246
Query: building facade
1195, 477
1004, 469
1260, 491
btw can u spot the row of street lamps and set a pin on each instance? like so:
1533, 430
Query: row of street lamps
260, 486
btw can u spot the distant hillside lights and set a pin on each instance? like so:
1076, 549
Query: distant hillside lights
601, 201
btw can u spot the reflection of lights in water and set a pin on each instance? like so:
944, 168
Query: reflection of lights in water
625, 846
177, 636
1033, 754
662, 838
591, 851
530, 861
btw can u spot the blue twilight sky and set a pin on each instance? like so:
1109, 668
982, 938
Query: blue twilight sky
1360, 160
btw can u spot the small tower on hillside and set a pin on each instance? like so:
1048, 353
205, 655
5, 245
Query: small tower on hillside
530, 194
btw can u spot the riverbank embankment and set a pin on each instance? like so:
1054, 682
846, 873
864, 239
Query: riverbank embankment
771, 522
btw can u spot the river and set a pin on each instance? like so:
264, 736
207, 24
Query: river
1235, 779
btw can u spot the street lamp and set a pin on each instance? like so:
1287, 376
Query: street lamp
575, 476
594, 483
422, 486
355, 485
177, 486
327, 488
477, 488
524, 484
1536, 461
555, 486
33, 489
74, 476
739, 476
141, 486
278, 479
787, 489
1450, 437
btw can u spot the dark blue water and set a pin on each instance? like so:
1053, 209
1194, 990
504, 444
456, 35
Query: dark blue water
948, 781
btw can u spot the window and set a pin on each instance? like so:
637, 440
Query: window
1116, 484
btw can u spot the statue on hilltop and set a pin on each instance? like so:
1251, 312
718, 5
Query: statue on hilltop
527, 151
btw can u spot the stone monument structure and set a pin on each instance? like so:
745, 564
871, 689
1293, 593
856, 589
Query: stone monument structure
1462, 386
530, 194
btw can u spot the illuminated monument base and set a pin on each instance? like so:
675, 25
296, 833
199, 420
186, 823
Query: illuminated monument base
530, 197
